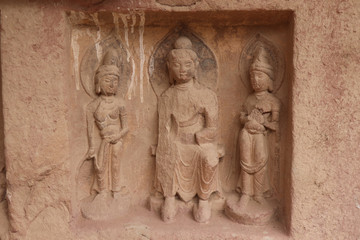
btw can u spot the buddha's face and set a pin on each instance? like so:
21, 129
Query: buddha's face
182, 68
259, 81
109, 84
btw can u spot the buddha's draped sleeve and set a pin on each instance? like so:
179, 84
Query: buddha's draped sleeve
166, 152
210, 110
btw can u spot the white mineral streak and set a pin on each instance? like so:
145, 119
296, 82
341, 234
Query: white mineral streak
116, 23
97, 44
75, 51
124, 18
142, 55
117, 30
89, 34
133, 18
133, 80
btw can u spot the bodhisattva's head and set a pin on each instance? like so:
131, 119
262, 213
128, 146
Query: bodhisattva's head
182, 62
261, 72
107, 80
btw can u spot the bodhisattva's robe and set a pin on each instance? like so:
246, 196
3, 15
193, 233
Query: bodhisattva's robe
109, 117
186, 157
255, 147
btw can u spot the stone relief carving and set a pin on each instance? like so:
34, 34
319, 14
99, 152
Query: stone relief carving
276, 60
187, 153
258, 140
183, 74
109, 115
106, 127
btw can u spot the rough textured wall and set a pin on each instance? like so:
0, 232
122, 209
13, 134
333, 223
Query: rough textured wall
326, 87
3, 203
34, 40
35, 53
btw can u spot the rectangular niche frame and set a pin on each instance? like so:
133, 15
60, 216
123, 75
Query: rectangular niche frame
215, 28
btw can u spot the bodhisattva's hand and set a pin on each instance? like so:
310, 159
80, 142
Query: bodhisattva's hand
263, 106
253, 125
257, 116
90, 154
272, 125
113, 139
243, 117
206, 135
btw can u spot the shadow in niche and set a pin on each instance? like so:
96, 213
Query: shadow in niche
4, 222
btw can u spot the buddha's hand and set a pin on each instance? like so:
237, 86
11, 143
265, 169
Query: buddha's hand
206, 135
90, 153
199, 137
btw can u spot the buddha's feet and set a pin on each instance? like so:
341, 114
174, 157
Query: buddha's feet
202, 213
259, 199
168, 209
123, 191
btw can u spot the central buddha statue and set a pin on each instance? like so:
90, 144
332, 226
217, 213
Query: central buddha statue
186, 156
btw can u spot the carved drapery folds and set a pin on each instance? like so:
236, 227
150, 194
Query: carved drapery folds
187, 154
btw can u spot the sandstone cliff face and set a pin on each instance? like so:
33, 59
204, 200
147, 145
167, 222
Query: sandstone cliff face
45, 128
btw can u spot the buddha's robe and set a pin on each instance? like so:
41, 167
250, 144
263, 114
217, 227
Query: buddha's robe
186, 157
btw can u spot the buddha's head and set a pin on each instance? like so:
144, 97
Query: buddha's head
182, 61
261, 72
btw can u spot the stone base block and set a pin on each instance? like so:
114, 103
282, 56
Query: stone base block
104, 206
254, 213
217, 202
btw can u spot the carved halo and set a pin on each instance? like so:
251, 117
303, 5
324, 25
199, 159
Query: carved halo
158, 72
275, 57
90, 63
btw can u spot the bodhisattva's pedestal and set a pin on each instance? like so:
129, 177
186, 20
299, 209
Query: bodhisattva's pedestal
253, 214
104, 206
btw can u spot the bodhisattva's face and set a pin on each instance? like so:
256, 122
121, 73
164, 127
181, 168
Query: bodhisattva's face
109, 85
182, 68
259, 81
